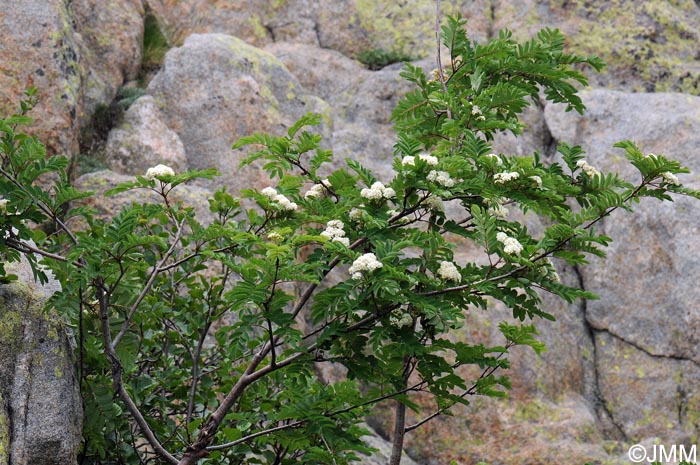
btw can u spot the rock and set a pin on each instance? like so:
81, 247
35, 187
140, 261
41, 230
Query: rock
112, 37
75, 53
649, 297
40, 404
381, 457
39, 48
649, 396
349, 27
215, 89
649, 46
143, 140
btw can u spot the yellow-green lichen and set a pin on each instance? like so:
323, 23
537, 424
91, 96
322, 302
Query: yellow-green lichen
4, 435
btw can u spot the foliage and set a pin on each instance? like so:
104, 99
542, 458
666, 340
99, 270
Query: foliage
202, 341
378, 58
155, 45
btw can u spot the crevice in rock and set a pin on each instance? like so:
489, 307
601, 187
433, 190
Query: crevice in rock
610, 426
270, 30
645, 350
549, 142
492, 19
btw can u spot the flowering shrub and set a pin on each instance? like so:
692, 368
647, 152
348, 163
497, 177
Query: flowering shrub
201, 341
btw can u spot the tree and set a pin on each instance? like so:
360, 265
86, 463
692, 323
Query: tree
208, 335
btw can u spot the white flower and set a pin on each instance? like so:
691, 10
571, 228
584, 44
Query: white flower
499, 211
476, 110
408, 160
434, 203
355, 214
537, 179
3, 205
357, 275
343, 240
670, 178
510, 244
449, 271
285, 202
334, 229
430, 160
269, 192
366, 262
441, 177
158, 171
505, 176
400, 319
589, 170
496, 158
377, 191
318, 191
275, 237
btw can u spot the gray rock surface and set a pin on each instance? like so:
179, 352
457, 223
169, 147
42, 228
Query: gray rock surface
215, 89
75, 53
112, 37
40, 405
143, 140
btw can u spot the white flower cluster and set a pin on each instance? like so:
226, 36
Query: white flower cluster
589, 170
495, 158
441, 177
430, 160
318, 191
499, 210
367, 262
378, 191
476, 111
284, 202
435, 203
334, 232
400, 318
505, 176
274, 236
158, 171
548, 271
448, 271
355, 214
3, 205
537, 179
436, 75
510, 244
670, 178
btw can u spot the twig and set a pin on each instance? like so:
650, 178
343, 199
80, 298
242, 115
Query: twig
117, 380
147, 287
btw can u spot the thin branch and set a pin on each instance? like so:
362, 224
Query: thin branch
117, 380
28, 248
488, 371
149, 283
439, 59
227, 445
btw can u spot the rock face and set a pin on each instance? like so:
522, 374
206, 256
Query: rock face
76, 53
143, 141
40, 405
215, 89
112, 37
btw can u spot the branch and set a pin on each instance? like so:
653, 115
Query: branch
147, 287
296, 424
117, 380
26, 248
